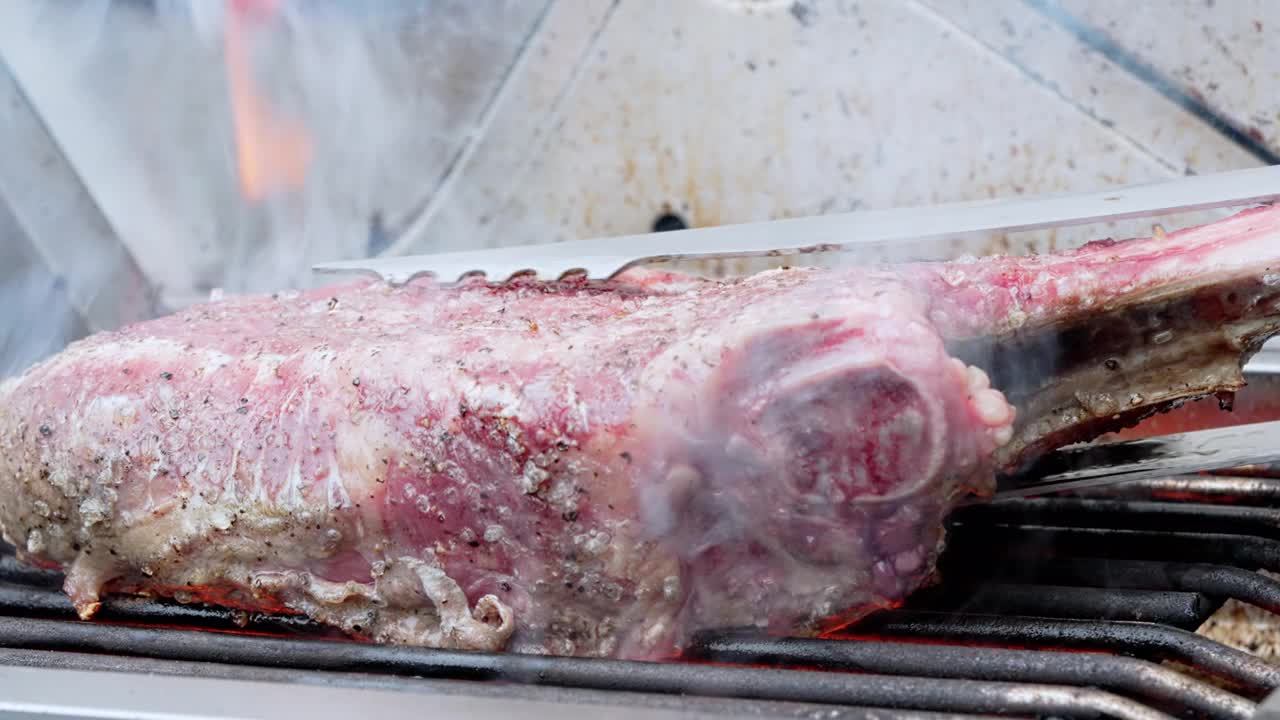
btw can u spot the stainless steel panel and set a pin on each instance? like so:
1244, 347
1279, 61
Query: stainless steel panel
63, 269
90, 695
391, 94
343, 694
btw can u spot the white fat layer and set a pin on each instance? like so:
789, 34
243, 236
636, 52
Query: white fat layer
486, 627
149, 349
497, 397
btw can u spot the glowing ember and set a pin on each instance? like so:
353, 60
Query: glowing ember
273, 152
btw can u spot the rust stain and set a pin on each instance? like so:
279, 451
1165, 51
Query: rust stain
704, 206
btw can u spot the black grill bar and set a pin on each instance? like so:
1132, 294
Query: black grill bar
1214, 581
13, 571
1236, 550
867, 690
1236, 490
1123, 675
612, 703
35, 602
1267, 470
44, 603
1180, 609
1127, 515
1146, 640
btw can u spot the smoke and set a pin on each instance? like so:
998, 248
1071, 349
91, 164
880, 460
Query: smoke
39, 316
62, 271
137, 94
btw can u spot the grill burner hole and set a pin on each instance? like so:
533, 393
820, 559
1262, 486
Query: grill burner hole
668, 221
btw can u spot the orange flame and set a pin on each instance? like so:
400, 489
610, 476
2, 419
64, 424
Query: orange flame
273, 152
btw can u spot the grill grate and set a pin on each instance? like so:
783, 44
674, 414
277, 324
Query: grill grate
1148, 641
1119, 674
1077, 606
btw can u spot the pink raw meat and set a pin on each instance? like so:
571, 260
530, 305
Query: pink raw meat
601, 469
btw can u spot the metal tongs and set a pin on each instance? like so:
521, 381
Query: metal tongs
868, 231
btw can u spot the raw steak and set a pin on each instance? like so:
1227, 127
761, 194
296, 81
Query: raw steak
600, 469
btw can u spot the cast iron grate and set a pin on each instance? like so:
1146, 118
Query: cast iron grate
1080, 606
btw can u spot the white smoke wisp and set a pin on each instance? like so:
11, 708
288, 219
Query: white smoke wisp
39, 318
137, 92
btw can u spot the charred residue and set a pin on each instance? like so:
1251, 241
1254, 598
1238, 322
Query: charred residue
1105, 369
